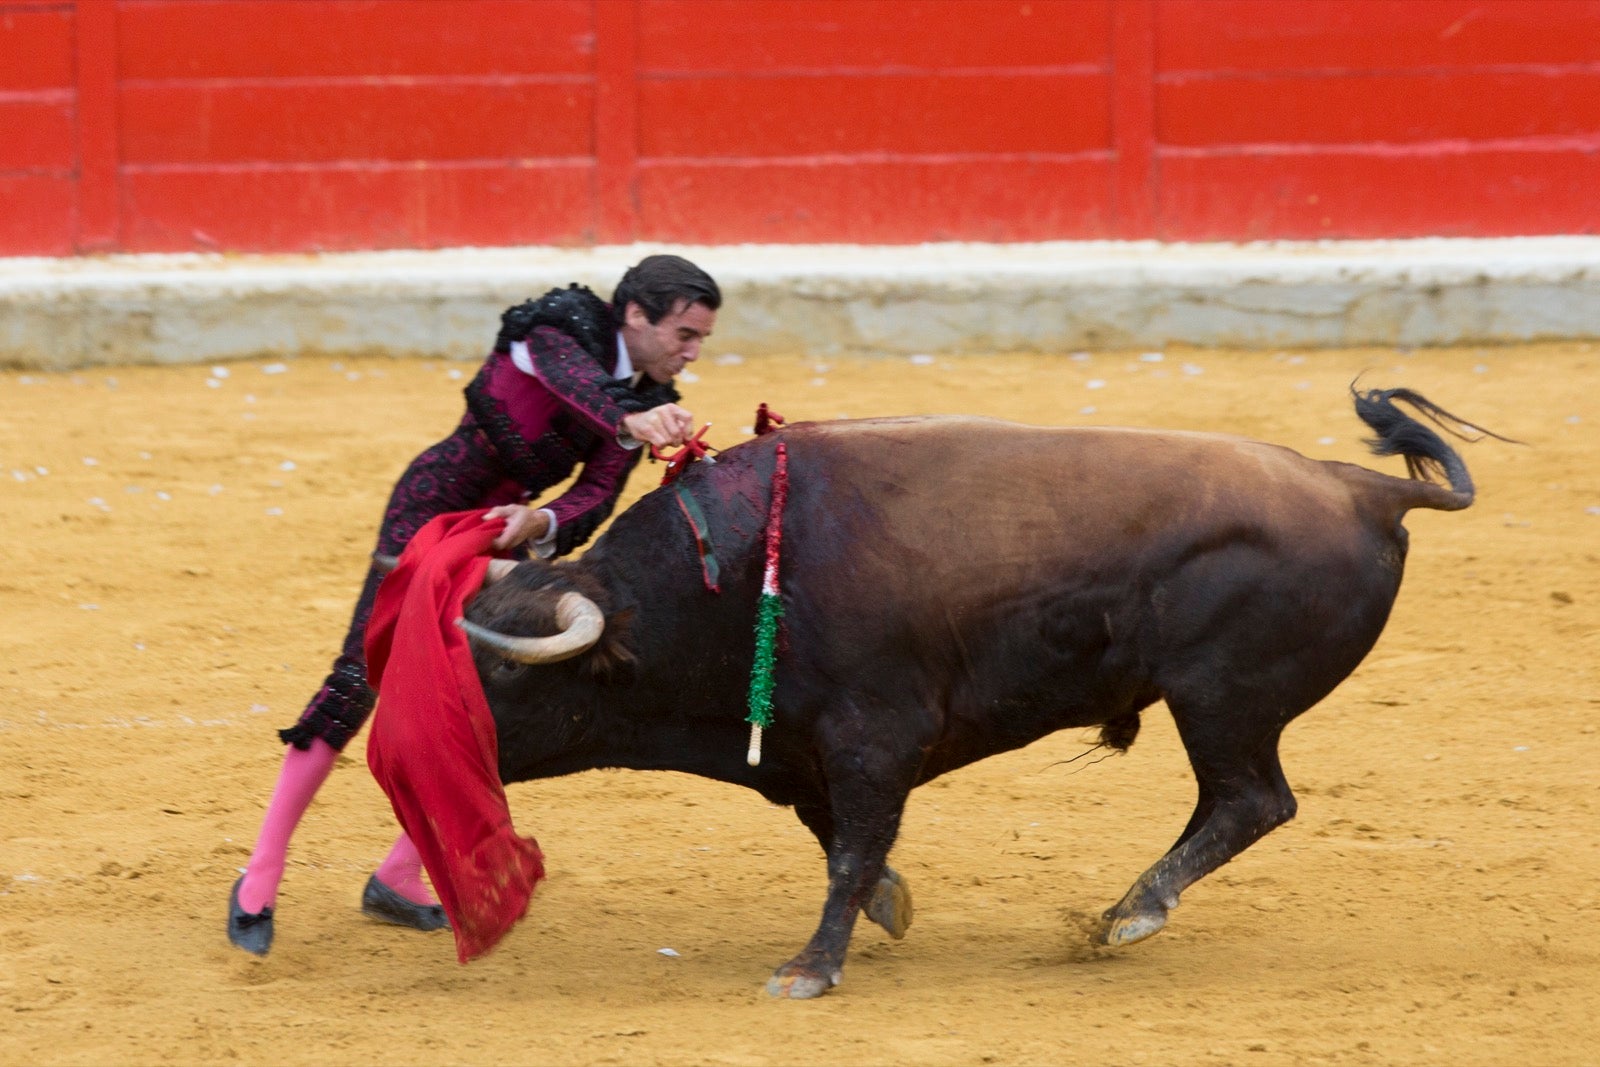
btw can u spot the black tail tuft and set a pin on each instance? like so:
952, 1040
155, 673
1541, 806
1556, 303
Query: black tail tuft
1427, 456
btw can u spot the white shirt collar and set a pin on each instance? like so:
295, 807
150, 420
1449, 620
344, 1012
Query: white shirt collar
624, 363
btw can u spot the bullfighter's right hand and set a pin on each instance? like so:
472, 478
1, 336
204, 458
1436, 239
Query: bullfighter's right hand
661, 426
522, 524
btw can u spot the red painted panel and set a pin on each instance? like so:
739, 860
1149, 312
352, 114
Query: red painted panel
876, 202
305, 122
181, 39
38, 133
35, 48
616, 121
1133, 117
1280, 35
94, 53
37, 218
1368, 195
336, 208
786, 116
698, 36
1362, 107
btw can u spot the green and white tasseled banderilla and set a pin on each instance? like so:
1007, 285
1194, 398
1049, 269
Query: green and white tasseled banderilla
768, 613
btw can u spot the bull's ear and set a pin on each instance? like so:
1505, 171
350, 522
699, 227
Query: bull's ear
611, 660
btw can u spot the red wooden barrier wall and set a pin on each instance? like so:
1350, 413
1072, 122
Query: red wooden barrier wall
278, 125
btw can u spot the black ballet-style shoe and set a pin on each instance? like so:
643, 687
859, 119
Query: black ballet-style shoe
384, 904
251, 931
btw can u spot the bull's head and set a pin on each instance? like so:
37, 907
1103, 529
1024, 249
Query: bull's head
540, 601
579, 623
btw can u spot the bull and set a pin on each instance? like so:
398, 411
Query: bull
954, 588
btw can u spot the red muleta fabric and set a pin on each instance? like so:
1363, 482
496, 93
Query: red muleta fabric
433, 746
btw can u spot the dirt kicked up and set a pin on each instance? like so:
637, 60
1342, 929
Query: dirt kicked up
182, 547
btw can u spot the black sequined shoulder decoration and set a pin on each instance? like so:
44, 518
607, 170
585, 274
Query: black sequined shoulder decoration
576, 311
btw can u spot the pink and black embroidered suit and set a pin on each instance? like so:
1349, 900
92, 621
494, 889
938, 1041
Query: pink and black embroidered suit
521, 434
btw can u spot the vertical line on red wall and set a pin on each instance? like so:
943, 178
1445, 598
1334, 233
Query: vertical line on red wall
1133, 117
616, 120
98, 221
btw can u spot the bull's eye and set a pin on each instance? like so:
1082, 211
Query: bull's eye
508, 670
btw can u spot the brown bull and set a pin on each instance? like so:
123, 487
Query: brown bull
954, 588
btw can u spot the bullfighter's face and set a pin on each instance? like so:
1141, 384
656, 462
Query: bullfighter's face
662, 349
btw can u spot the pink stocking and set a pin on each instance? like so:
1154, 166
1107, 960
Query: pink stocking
302, 775
401, 871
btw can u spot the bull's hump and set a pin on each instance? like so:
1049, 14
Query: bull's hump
916, 424
979, 461
979, 427
897, 424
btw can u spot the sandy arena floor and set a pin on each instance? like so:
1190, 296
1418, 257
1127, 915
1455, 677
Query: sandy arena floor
182, 546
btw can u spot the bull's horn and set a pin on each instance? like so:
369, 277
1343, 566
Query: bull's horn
498, 568
581, 623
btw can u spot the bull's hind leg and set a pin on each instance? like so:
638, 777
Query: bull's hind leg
1243, 795
890, 906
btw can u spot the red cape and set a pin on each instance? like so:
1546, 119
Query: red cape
433, 746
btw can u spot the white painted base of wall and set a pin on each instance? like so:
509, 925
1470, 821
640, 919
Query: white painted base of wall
824, 300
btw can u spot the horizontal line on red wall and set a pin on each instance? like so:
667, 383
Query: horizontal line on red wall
928, 115
339, 80
374, 166
327, 210
1403, 109
1355, 196
36, 96
225, 38
321, 124
847, 159
895, 202
1584, 144
1071, 70
1547, 70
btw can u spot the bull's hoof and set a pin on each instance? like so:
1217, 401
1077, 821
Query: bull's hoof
1117, 930
800, 985
890, 906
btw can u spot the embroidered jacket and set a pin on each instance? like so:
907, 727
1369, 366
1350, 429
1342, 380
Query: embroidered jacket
568, 412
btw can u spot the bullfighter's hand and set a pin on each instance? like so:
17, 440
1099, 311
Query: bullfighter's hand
521, 524
661, 426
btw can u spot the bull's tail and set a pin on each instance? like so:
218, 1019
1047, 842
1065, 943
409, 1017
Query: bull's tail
1427, 456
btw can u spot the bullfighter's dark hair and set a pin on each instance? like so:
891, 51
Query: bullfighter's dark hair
658, 284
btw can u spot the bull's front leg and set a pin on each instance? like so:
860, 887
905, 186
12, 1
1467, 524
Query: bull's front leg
867, 792
820, 965
890, 904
